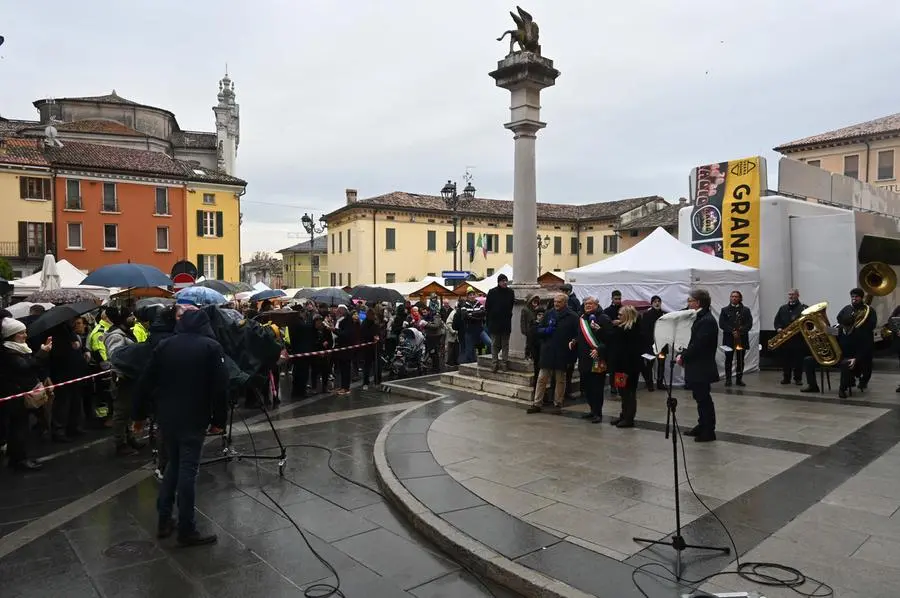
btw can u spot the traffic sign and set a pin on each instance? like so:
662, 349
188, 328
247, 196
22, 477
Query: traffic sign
183, 280
454, 275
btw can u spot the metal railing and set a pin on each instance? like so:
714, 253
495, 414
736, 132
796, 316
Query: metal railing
18, 250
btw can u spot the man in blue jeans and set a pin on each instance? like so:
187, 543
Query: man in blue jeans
188, 382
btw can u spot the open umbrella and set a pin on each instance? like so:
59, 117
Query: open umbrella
200, 296
226, 288
242, 287
21, 309
128, 276
269, 294
150, 301
376, 294
62, 296
59, 315
331, 296
305, 293
50, 279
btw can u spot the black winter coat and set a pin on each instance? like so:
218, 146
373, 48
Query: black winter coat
302, 333
556, 331
700, 355
20, 372
66, 362
187, 377
574, 304
730, 318
612, 311
864, 336
647, 325
498, 309
626, 348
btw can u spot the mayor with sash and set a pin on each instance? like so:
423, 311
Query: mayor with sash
593, 328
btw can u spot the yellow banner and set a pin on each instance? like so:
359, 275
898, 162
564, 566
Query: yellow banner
741, 211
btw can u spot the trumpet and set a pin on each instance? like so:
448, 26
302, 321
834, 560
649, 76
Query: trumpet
736, 333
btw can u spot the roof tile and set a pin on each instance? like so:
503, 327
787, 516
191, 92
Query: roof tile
880, 126
201, 174
24, 152
320, 244
667, 216
500, 207
111, 158
194, 139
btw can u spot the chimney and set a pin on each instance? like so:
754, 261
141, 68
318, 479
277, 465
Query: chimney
351, 196
682, 201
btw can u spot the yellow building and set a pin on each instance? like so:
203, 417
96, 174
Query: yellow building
306, 264
214, 224
636, 230
866, 151
401, 236
26, 200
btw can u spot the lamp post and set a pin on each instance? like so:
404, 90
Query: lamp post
542, 244
313, 229
454, 201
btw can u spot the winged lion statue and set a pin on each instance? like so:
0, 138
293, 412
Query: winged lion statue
526, 33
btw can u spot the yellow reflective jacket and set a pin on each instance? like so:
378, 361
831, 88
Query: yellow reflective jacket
95, 339
140, 333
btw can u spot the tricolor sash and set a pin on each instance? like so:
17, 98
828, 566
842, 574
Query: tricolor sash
599, 366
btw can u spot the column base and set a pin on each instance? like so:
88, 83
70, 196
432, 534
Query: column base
523, 291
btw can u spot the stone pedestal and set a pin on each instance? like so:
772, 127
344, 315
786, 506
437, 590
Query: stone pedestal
524, 74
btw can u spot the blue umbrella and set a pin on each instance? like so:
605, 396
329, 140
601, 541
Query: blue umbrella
200, 296
128, 276
268, 294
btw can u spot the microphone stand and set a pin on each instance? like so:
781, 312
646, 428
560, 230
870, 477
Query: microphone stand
676, 541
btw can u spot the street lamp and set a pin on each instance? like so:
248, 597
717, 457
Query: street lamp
313, 229
542, 244
454, 201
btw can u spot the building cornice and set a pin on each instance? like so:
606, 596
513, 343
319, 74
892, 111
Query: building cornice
221, 187
25, 169
89, 175
835, 143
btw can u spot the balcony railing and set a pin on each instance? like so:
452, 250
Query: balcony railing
19, 250
74, 203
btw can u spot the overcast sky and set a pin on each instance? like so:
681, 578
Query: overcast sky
338, 94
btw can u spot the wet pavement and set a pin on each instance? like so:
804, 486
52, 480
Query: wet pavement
85, 526
807, 480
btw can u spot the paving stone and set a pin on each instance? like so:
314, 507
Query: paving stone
156, 578
499, 530
414, 465
327, 520
442, 493
254, 580
394, 557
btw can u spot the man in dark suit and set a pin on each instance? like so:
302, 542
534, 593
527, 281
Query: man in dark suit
865, 335
793, 351
699, 361
849, 341
735, 320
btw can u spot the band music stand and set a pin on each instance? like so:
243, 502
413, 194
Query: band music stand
676, 344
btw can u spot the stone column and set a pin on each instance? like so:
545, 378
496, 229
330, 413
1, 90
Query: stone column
524, 74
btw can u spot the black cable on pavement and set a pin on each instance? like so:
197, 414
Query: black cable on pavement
330, 590
760, 573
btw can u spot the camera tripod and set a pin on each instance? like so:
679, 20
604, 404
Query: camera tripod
229, 453
676, 541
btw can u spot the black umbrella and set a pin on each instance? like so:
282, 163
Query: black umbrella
331, 296
376, 294
241, 287
305, 293
268, 294
226, 288
148, 301
59, 315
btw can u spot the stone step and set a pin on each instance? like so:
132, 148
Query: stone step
494, 387
485, 372
515, 364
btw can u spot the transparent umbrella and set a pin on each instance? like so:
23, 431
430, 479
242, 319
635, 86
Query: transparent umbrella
50, 279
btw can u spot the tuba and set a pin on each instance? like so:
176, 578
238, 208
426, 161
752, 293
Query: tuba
786, 334
877, 279
814, 327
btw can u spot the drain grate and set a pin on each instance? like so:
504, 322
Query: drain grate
129, 549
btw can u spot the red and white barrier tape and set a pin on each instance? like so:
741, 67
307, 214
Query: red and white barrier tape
329, 351
57, 385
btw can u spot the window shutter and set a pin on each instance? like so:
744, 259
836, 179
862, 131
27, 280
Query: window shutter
220, 232
220, 266
199, 225
200, 270
23, 187
49, 241
23, 239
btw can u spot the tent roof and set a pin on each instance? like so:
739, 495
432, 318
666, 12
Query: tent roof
490, 282
69, 276
661, 256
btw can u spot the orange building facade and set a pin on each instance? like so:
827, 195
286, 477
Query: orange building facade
106, 219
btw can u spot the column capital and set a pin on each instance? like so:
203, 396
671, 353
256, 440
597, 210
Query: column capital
525, 127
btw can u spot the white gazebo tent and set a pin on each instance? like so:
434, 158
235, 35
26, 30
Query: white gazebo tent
490, 282
662, 265
69, 277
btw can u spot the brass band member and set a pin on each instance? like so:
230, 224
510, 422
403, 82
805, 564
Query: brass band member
866, 329
849, 342
793, 351
735, 321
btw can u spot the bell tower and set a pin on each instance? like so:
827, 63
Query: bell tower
228, 126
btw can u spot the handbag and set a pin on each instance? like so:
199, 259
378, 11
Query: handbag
599, 366
620, 380
37, 397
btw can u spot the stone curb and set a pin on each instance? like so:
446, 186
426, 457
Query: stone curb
468, 551
409, 391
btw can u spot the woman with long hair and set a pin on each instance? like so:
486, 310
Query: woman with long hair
626, 363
